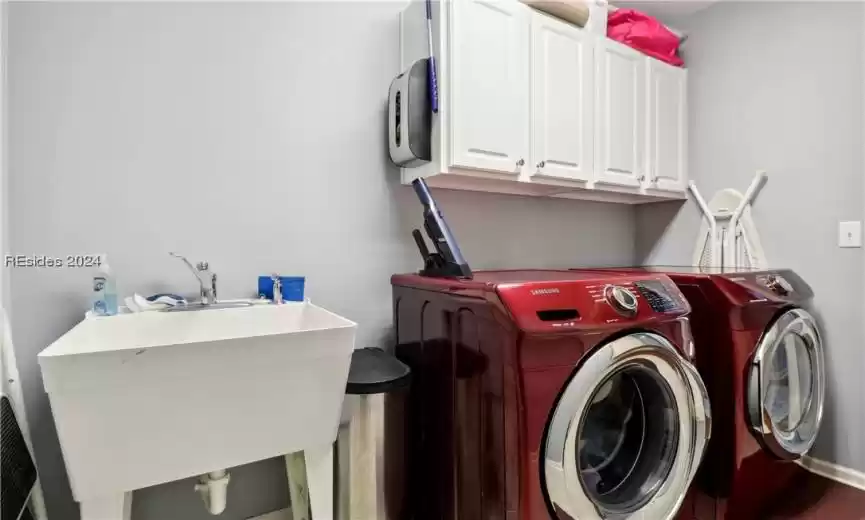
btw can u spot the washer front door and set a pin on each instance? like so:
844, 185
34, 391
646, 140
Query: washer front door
786, 385
627, 433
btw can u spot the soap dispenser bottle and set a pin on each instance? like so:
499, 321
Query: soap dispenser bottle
104, 290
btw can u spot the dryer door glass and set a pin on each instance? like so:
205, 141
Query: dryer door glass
626, 434
789, 384
786, 385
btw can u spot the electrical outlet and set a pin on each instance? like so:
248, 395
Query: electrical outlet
850, 234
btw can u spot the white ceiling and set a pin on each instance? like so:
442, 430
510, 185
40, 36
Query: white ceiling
668, 11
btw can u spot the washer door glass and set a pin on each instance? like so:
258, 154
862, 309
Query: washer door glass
626, 434
628, 439
786, 385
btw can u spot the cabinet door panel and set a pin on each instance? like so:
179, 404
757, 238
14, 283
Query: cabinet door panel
621, 111
562, 92
490, 85
668, 126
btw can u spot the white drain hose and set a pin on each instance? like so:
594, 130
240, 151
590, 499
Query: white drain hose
213, 488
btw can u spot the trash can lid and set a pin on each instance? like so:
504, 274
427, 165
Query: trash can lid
374, 371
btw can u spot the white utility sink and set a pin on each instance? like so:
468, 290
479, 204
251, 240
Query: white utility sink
140, 399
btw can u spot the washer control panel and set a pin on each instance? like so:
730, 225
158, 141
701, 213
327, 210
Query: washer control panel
624, 301
658, 296
558, 301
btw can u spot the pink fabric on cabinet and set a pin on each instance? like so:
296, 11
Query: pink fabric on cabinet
644, 33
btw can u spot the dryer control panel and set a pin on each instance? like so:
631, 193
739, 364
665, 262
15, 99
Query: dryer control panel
780, 285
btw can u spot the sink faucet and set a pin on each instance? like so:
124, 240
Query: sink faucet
277, 289
206, 279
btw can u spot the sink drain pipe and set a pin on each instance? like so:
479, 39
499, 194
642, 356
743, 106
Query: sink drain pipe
213, 488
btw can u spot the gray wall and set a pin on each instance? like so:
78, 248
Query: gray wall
247, 134
779, 86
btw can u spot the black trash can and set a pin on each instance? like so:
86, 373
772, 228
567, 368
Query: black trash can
371, 445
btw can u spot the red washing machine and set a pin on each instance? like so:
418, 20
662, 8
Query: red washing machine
547, 394
761, 356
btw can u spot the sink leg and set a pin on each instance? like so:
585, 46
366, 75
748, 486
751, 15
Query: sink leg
310, 483
319, 476
295, 469
110, 507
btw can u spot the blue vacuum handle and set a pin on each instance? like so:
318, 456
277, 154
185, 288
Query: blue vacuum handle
431, 63
433, 84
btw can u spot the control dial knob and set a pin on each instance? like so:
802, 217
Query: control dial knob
621, 299
778, 285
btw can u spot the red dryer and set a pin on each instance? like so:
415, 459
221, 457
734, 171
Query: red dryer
761, 356
548, 394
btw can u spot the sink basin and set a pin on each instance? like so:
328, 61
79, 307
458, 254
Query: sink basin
140, 399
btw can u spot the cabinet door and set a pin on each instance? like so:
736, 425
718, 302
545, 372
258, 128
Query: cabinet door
620, 156
489, 85
562, 93
668, 92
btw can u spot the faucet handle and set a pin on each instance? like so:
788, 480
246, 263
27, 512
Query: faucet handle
277, 289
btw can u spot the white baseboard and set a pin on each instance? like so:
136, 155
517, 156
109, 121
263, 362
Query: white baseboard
851, 477
282, 514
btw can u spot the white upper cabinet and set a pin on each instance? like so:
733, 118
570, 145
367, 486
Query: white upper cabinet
667, 123
489, 82
621, 108
532, 105
561, 100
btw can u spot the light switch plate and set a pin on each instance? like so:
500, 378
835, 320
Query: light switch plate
850, 234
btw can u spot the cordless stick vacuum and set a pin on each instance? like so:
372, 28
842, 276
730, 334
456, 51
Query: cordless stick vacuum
447, 261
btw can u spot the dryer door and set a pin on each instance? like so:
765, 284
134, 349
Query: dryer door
627, 433
786, 385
